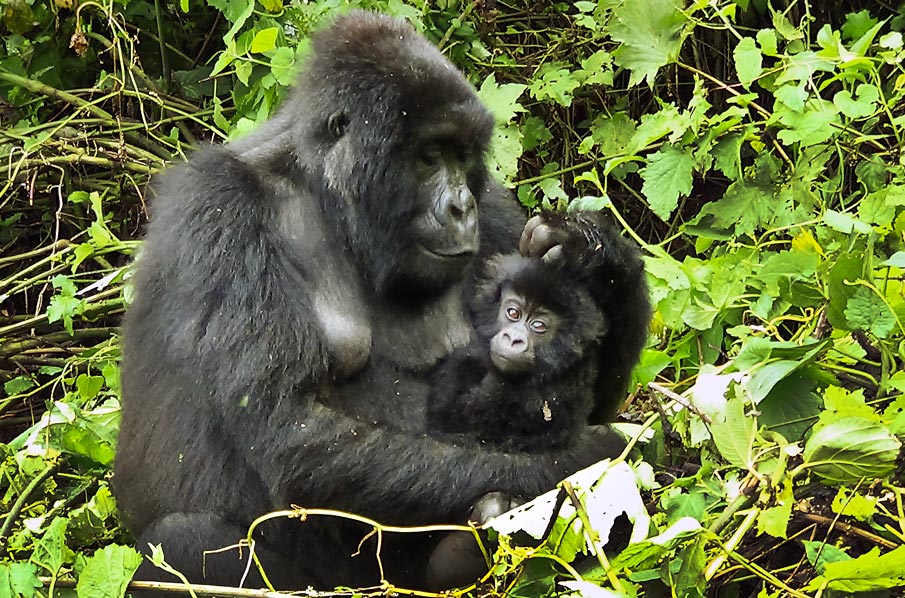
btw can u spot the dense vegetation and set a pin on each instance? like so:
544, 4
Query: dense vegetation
753, 148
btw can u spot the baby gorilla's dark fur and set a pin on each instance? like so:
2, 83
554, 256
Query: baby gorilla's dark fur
526, 383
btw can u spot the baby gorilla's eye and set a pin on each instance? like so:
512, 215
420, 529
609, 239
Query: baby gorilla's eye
538, 326
513, 314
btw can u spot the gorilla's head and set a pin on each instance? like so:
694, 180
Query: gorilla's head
397, 135
535, 317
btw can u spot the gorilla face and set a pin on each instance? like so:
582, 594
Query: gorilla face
524, 327
403, 142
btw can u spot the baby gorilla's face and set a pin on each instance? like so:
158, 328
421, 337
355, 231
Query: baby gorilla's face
523, 326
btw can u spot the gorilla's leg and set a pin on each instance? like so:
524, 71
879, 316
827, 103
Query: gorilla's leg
457, 560
186, 536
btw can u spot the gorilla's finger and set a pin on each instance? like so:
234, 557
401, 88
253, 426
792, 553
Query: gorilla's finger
555, 254
492, 504
525, 242
542, 240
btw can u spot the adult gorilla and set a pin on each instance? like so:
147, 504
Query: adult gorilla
332, 245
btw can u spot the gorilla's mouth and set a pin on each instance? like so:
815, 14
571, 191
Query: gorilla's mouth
450, 253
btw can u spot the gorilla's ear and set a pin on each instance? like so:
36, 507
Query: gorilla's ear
337, 123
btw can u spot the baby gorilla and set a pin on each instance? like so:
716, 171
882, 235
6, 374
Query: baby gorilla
526, 384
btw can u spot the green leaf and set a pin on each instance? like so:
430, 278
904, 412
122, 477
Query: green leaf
265, 40
650, 33
88, 386
19, 580
849, 449
233, 10
896, 260
847, 269
766, 39
846, 223
775, 520
857, 24
505, 150
17, 385
850, 504
667, 175
282, 65
821, 554
748, 61
501, 100
866, 311
867, 573
555, 84
733, 433
864, 106
51, 551
809, 127
107, 572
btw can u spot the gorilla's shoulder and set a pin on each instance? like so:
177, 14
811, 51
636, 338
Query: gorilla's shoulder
213, 183
218, 165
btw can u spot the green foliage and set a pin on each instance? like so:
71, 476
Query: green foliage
752, 148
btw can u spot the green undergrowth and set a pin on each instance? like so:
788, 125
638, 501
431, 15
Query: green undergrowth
754, 150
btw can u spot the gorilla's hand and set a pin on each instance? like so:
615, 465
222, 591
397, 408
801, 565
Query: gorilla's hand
492, 504
565, 238
598, 443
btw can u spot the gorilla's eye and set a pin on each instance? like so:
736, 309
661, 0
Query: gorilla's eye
337, 124
431, 156
513, 314
538, 326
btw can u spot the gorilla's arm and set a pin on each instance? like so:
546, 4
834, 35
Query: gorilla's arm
402, 479
610, 266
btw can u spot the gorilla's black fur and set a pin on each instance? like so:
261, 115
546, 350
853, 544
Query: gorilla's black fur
543, 392
331, 246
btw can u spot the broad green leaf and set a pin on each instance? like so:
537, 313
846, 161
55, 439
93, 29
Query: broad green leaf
866, 311
849, 449
857, 24
766, 39
233, 10
775, 520
19, 580
613, 134
791, 406
733, 433
265, 40
668, 175
847, 269
654, 126
896, 260
51, 552
552, 83
851, 504
106, 573
748, 61
845, 223
650, 33
18, 385
501, 100
869, 572
534, 133
809, 127
505, 150
282, 65
243, 71
88, 386
821, 554
864, 106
